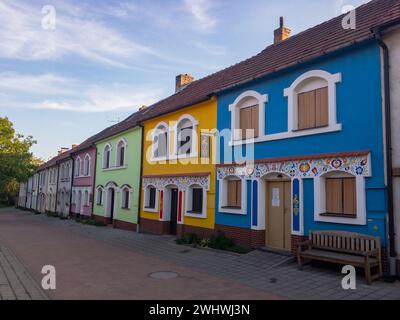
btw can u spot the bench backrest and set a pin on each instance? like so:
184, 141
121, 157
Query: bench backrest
348, 242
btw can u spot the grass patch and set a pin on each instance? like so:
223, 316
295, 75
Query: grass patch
90, 222
52, 215
219, 242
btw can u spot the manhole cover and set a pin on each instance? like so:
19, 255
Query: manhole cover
163, 275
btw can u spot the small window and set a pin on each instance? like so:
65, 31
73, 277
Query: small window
249, 121
151, 204
234, 194
341, 198
99, 196
106, 159
197, 200
86, 166
313, 109
185, 137
121, 154
125, 198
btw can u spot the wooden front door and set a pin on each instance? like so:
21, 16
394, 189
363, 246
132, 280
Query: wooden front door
278, 215
174, 211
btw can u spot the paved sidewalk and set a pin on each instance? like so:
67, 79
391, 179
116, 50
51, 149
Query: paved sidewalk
15, 281
264, 271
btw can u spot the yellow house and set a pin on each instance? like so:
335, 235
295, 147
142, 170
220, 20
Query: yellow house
178, 169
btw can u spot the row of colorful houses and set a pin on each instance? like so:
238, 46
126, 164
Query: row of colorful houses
303, 136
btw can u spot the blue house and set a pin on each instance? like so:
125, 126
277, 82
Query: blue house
303, 137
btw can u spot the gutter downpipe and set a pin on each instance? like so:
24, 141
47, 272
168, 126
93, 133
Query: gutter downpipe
388, 147
141, 179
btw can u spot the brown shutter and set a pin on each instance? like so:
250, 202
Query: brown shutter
334, 200
249, 120
306, 110
321, 96
349, 196
238, 193
231, 193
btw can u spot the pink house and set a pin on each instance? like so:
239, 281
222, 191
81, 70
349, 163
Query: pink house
84, 158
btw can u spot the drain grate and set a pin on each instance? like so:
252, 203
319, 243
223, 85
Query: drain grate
164, 275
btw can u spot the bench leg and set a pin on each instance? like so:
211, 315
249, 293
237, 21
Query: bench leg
367, 268
299, 262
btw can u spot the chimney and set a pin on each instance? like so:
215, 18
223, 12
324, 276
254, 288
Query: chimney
74, 146
143, 107
62, 150
282, 33
182, 81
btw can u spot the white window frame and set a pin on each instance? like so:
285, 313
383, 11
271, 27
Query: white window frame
245, 100
73, 197
155, 133
104, 156
86, 165
223, 196
147, 199
123, 189
77, 170
194, 147
320, 200
117, 158
313, 80
189, 201
97, 196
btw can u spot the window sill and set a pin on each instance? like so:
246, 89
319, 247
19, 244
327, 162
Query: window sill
194, 214
337, 215
150, 210
288, 135
115, 168
232, 210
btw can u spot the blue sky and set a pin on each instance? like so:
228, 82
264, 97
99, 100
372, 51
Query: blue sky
107, 58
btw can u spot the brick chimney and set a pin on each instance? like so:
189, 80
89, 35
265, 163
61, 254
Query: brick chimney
282, 33
74, 146
182, 81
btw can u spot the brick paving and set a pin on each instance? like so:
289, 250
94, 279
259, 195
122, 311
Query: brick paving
15, 281
264, 271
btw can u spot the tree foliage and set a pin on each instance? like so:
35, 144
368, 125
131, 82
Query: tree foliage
17, 163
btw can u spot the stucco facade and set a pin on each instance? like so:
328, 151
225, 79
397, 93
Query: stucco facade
350, 145
64, 186
180, 173
35, 187
51, 188
82, 189
114, 181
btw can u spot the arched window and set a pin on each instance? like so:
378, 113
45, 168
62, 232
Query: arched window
186, 137
160, 142
196, 197
78, 167
341, 198
248, 115
121, 151
312, 101
150, 199
232, 193
73, 197
126, 198
107, 157
86, 165
99, 196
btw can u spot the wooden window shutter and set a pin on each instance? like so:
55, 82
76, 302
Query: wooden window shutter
334, 199
313, 109
321, 117
349, 196
249, 120
234, 193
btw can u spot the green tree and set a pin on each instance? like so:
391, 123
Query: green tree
17, 163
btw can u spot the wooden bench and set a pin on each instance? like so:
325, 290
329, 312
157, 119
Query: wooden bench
345, 248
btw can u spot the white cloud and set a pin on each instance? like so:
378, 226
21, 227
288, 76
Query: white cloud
200, 10
22, 36
53, 92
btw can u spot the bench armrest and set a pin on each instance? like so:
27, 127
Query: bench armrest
303, 244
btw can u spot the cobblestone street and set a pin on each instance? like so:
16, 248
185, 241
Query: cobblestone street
100, 262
